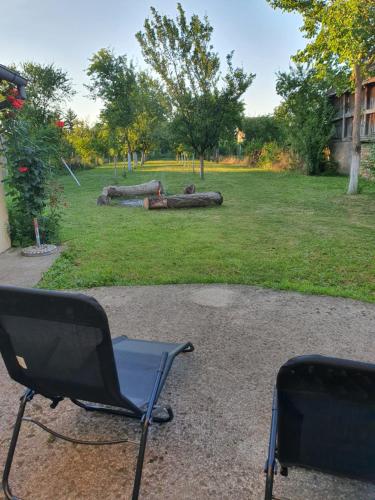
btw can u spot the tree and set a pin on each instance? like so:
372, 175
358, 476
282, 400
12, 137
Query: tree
341, 42
204, 104
306, 114
152, 109
48, 88
113, 79
264, 128
82, 139
69, 119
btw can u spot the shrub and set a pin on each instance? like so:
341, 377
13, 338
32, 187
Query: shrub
306, 115
270, 154
29, 186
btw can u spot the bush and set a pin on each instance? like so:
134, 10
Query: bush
306, 115
270, 154
32, 192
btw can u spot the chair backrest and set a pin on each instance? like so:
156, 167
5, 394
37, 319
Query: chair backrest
326, 415
59, 345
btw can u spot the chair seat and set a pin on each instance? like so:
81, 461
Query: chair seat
137, 362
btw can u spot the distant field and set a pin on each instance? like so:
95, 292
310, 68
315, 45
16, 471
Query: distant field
278, 230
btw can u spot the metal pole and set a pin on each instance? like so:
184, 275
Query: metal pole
70, 171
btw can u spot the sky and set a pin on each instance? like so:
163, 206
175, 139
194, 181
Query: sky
68, 32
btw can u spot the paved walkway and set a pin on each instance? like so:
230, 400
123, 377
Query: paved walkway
23, 271
221, 394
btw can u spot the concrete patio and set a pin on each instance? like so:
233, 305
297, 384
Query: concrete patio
221, 394
17, 270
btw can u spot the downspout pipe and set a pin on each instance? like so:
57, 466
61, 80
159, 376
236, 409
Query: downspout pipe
13, 77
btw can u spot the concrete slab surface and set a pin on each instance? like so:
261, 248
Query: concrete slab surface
17, 270
221, 394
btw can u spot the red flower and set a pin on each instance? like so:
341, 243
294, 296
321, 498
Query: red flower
60, 124
16, 103
23, 169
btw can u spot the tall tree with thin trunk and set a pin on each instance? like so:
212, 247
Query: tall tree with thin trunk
205, 103
114, 81
341, 43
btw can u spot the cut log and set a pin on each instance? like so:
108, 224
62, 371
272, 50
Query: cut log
184, 200
148, 188
155, 202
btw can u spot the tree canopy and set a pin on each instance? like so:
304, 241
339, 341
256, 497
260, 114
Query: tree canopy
48, 89
341, 44
205, 103
306, 114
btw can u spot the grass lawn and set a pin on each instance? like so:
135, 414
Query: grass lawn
278, 230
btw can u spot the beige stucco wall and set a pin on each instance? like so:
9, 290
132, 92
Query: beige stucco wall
4, 237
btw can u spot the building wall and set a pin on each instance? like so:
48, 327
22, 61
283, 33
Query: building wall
4, 236
342, 153
341, 146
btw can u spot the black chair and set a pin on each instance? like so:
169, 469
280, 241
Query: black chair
58, 345
323, 418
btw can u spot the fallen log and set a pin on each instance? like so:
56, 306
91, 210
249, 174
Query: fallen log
183, 200
148, 188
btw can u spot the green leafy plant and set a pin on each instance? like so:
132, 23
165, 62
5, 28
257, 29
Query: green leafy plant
28, 184
306, 115
341, 46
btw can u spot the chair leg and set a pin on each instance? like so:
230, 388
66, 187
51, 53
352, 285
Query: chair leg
270, 467
146, 423
140, 460
13, 443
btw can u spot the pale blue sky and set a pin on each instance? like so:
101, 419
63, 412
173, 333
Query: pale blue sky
68, 32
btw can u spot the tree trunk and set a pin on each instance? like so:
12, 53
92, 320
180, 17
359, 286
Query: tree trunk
184, 201
201, 166
148, 188
135, 159
356, 135
129, 161
142, 158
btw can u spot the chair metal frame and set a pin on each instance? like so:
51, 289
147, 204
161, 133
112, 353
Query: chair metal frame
17, 302
273, 459
146, 421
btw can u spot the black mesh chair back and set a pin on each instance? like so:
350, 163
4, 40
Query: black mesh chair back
326, 416
59, 344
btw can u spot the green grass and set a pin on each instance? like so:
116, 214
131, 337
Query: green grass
278, 230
